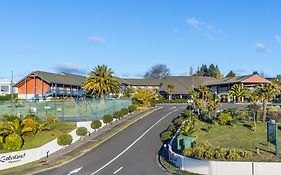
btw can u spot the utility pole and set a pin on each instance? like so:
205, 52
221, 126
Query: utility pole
12, 91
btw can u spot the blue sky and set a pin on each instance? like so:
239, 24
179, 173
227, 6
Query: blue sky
131, 36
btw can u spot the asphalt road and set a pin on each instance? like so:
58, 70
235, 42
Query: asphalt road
131, 152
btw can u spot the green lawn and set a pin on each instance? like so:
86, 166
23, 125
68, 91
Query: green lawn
41, 138
239, 137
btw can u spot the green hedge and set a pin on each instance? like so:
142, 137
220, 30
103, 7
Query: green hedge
95, 124
132, 108
82, 131
171, 101
64, 139
107, 119
8, 97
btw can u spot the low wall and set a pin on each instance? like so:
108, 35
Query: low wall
210, 167
17, 158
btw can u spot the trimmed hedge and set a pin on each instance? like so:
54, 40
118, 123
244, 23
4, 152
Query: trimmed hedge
117, 114
64, 139
171, 101
132, 108
124, 111
82, 131
95, 124
107, 119
166, 136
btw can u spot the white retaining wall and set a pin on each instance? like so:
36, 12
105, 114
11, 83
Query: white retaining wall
17, 158
209, 167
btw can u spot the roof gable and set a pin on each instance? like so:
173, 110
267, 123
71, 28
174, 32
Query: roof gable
255, 79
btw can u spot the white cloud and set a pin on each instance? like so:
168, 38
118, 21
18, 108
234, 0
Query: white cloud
208, 30
278, 38
70, 68
96, 40
260, 47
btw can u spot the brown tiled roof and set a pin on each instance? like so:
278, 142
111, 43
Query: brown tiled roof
183, 84
237, 79
142, 82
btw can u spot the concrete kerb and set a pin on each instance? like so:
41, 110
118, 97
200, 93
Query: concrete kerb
104, 140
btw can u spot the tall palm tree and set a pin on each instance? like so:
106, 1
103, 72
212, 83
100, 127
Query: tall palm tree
101, 82
238, 91
170, 89
265, 93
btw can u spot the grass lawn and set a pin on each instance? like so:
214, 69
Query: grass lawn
41, 138
240, 137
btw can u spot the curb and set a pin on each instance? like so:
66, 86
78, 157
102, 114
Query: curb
87, 150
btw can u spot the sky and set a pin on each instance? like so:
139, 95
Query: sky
131, 36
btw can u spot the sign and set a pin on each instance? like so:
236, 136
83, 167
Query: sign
47, 107
12, 158
272, 135
33, 110
59, 109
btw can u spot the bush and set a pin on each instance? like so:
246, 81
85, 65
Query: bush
178, 121
224, 118
172, 128
95, 124
64, 139
132, 108
124, 111
117, 114
13, 142
189, 114
166, 136
107, 119
243, 115
51, 119
9, 117
81, 131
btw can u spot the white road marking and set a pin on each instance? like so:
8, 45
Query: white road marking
119, 169
74, 171
132, 144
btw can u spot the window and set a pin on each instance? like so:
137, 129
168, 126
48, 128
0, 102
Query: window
4, 88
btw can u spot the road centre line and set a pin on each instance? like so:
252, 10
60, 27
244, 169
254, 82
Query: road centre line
132, 144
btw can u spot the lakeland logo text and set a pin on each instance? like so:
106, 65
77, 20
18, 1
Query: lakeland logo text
12, 158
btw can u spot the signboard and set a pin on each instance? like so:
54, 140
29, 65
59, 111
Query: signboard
47, 107
33, 110
272, 134
59, 109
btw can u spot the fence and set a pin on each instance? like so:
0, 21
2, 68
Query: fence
69, 110
209, 167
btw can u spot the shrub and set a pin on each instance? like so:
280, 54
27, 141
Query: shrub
95, 124
189, 115
141, 108
117, 114
224, 118
51, 119
9, 117
132, 108
124, 111
166, 135
81, 131
243, 115
13, 142
64, 139
178, 121
107, 119
172, 128
253, 126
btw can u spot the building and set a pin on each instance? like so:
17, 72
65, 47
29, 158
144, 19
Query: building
223, 86
40, 84
182, 85
141, 83
6, 87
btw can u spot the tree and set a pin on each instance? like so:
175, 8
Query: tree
218, 74
158, 71
96, 124
204, 92
230, 74
145, 96
101, 82
212, 70
64, 139
129, 92
188, 129
265, 93
170, 89
82, 131
238, 92
107, 119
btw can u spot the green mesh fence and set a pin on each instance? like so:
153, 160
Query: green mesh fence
68, 110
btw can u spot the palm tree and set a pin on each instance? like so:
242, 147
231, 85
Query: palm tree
238, 91
265, 93
101, 82
170, 89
